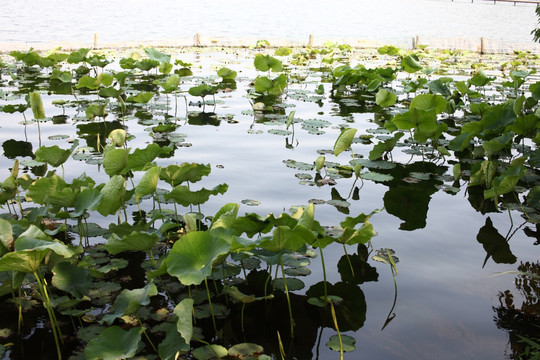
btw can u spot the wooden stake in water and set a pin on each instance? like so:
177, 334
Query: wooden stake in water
95, 41
482, 46
310, 43
197, 39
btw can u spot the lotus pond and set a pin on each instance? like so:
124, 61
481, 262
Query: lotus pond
269, 204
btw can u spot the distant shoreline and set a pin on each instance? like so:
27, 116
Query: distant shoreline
491, 46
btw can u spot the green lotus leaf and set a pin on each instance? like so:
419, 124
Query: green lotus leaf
6, 234
157, 55
112, 195
27, 242
410, 64
227, 74
267, 63
171, 83
36, 103
70, 278
293, 284
191, 259
137, 160
185, 197
428, 102
245, 350
22, 261
348, 343
96, 110
114, 160
148, 183
480, 79
172, 345
135, 241
52, 155
385, 98
375, 176
129, 301
283, 237
184, 324
191, 172
118, 137
141, 98
114, 343
202, 90
52, 190
209, 352
78, 56
226, 216
344, 140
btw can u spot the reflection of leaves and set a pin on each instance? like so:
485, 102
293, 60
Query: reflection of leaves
363, 272
410, 202
495, 244
351, 312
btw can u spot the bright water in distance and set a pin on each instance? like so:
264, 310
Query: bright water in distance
445, 296
32, 21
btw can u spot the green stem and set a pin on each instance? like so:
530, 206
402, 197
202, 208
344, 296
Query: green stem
334, 317
39, 132
348, 259
287, 295
48, 306
210, 304
324, 270
146, 334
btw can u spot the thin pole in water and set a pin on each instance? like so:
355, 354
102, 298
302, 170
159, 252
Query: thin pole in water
95, 41
482, 46
310, 43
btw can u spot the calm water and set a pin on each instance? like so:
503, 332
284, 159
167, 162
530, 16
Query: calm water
32, 21
446, 296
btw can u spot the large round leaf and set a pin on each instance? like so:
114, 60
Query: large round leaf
112, 195
191, 257
136, 241
114, 343
70, 278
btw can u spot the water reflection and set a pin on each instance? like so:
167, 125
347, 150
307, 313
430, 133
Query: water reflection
521, 320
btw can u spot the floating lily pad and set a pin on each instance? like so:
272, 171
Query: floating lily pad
316, 201
299, 165
420, 175
338, 203
383, 165
315, 123
280, 132
375, 176
58, 137
5, 333
298, 271
203, 311
293, 284
250, 202
307, 182
348, 343
211, 351
251, 131
245, 350
303, 176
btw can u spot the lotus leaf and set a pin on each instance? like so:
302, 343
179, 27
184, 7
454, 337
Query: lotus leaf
191, 259
114, 343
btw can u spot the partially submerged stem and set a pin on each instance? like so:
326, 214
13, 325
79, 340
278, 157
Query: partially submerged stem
348, 259
210, 304
50, 311
287, 295
334, 317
